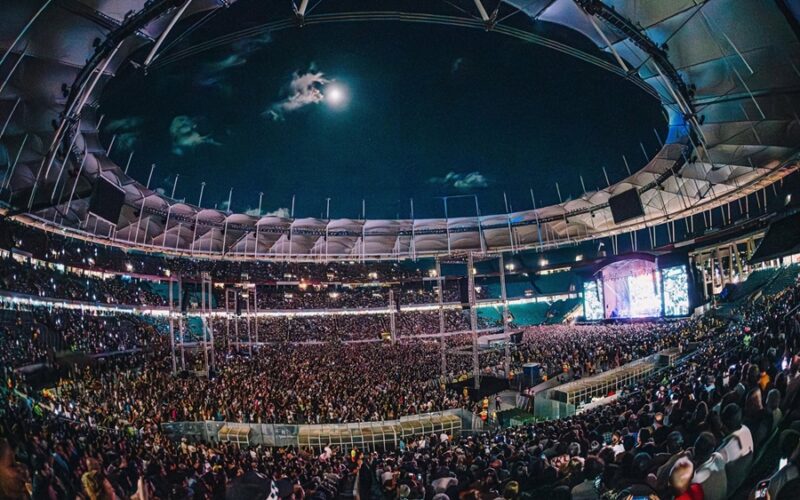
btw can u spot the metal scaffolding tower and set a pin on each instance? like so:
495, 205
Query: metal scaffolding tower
392, 317
473, 320
206, 307
442, 340
504, 298
172, 327
231, 296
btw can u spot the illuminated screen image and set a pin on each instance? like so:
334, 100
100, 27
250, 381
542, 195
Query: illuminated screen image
644, 297
676, 291
636, 288
592, 301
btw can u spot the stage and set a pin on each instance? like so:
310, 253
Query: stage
637, 286
489, 386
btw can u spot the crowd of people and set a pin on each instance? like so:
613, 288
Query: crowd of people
40, 281
35, 335
41, 278
689, 432
77, 253
288, 382
339, 297
342, 327
602, 347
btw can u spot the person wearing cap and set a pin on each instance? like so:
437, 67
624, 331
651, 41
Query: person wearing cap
511, 491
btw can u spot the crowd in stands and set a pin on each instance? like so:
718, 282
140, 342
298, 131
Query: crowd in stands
344, 298
601, 347
77, 253
327, 328
21, 340
88, 284
51, 283
337, 297
690, 432
36, 335
339, 327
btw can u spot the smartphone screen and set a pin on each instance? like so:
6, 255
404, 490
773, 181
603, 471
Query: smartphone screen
761, 489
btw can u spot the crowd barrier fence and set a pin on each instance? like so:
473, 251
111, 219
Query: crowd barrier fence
364, 435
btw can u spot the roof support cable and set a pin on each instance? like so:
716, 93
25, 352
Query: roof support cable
708, 25
165, 34
188, 31
659, 55
608, 43
24, 31
300, 12
6, 184
13, 70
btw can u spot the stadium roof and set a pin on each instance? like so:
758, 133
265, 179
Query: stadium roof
727, 74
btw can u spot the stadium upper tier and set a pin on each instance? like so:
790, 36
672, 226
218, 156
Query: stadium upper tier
726, 73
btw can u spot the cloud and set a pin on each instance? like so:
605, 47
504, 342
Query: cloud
127, 140
462, 181
125, 124
247, 46
303, 89
185, 135
223, 206
229, 62
214, 73
127, 130
164, 186
280, 212
458, 62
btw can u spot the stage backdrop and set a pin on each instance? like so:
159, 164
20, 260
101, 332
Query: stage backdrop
631, 289
637, 286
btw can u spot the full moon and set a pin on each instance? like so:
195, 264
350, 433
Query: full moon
335, 95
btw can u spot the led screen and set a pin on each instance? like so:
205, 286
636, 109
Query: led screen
592, 300
676, 291
644, 298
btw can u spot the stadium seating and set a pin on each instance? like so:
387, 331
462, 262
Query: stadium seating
559, 310
752, 284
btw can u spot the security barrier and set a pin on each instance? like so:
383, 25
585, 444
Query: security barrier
364, 435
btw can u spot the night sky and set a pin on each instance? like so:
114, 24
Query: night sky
425, 111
